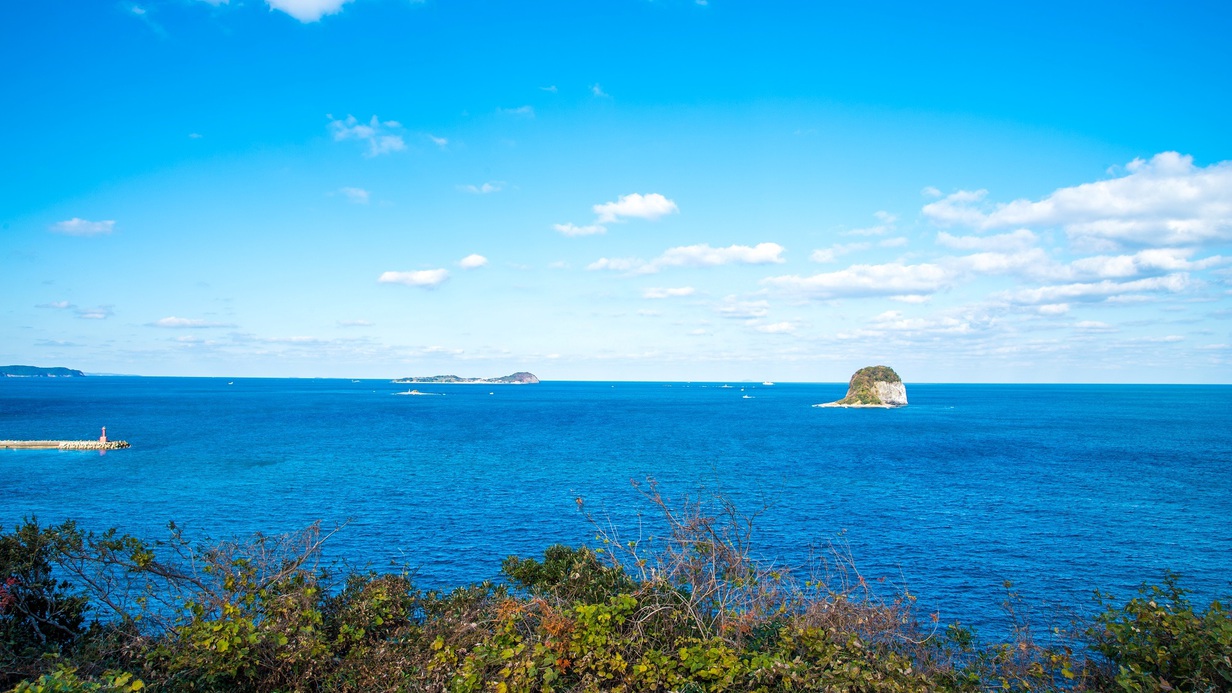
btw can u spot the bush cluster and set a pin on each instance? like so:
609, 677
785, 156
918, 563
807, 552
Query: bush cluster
685, 611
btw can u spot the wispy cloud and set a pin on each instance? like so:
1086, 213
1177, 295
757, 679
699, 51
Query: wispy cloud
484, 188
427, 279
828, 255
358, 196
885, 226
173, 322
597, 91
668, 292
57, 305
382, 137
83, 227
355, 323
520, 111
776, 328
867, 280
98, 313
306, 11
701, 255
438, 141
733, 307
575, 230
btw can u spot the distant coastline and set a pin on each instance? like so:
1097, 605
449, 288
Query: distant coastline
519, 378
39, 372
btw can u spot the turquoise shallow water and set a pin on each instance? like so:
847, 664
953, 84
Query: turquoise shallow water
1062, 489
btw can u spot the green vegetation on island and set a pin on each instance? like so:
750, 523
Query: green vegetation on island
38, 372
519, 378
874, 386
690, 610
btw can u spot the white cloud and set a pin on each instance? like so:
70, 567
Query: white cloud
472, 261
743, 310
826, 255
957, 209
521, 111
194, 135
701, 255
1016, 240
887, 225
668, 293
575, 230
382, 137
483, 189
776, 328
174, 322
634, 205
1097, 291
890, 279
1030, 262
1165, 201
930, 191
306, 10
897, 242
1053, 309
621, 264
99, 313
438, 141
550, 89
355, 323
357, 195
57, 305
597, 90
83, 227
428, 279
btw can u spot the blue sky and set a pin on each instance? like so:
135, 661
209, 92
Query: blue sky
619, 189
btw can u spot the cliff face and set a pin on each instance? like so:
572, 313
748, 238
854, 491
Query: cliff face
874, 386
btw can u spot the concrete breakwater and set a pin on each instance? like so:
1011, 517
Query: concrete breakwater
63, 444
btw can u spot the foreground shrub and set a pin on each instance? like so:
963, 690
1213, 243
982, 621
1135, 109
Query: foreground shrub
1157, 641
685, 609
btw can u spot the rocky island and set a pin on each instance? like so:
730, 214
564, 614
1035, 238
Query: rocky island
875, 386
520, 378
37, 372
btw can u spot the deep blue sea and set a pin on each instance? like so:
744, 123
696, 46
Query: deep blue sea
1061, 489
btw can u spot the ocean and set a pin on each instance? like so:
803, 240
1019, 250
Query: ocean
1061, 489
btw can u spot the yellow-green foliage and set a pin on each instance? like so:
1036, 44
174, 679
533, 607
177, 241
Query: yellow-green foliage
260, 616
862, 389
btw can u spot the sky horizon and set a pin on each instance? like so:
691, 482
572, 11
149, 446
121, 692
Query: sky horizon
668, 190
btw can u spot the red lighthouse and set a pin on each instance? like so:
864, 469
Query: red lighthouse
103, 438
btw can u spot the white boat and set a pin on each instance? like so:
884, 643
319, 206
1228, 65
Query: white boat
767, 383
417, 392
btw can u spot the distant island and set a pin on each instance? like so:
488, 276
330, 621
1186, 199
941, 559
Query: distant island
873, 387
520, 378
37, 372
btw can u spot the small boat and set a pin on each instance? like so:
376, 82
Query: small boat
231, 383
767, 383
747, 397
725, 387
417, 392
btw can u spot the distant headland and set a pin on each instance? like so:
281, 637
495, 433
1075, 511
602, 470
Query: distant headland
37, 372
873, 387
520, 378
